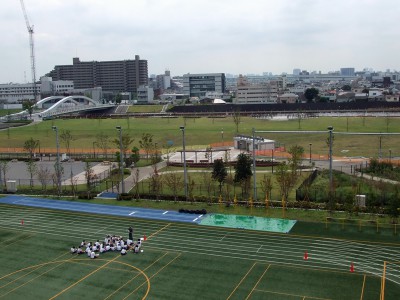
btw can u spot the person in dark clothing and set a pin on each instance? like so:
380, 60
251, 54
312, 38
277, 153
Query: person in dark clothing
130, 229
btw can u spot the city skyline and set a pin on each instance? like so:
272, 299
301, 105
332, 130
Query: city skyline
202, 36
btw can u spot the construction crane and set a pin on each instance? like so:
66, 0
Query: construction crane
32, 49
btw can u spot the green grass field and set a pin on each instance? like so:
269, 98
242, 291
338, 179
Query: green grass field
183, 261
201, 132
5, 112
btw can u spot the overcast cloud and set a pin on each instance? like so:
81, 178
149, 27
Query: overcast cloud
195, 36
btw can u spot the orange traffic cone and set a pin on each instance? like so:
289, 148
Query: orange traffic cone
144, 237
352, 268
22, 221
305, 256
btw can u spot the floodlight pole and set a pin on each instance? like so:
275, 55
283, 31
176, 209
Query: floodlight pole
58, 171
310, 152
182, 128
254, 166
380, 147
330, 128
121, 167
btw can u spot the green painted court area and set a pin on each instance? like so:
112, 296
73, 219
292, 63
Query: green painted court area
184, 261
249, 222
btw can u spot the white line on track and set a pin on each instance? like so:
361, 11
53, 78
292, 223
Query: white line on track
165, 212
259, 248
223, 237
132, 213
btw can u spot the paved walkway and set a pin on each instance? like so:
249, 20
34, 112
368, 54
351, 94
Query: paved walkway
144, 173
81, 177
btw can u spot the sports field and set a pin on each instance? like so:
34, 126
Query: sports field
183, 261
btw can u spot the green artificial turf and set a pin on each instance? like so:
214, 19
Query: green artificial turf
181, 261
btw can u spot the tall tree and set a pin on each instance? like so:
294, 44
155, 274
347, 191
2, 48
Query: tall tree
219, 172
146, 143
311, 94
236, 119
103, 142
31, 167
66, 138
243, 172
126, 143
28, 105
44, 176
296, 153
30, 146
285, 181
266, 186
89, 176
135, 155
174, 182
3, 171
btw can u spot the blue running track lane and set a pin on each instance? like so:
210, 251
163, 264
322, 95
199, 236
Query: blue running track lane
122, 211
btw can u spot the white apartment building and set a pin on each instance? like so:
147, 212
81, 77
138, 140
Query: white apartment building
145, 94
17, 93
255, 93
48, 86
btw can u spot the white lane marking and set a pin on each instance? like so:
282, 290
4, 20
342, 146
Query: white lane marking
132, 213
197, 218
165, 212
259, 248
223, 237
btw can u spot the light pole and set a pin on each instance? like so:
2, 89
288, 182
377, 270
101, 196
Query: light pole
380, 147
390, 156
330, 128
156, 152
254, 166
310, 152
40, 154
94, 151
58, 170
272, 159
182, 128
121, 166
222, 136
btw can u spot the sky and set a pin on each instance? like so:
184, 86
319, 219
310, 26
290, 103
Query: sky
202, 36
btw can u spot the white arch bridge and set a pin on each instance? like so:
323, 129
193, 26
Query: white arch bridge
58, 105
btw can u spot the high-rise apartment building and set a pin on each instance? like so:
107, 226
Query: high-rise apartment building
347, 71
196, 85
111, 76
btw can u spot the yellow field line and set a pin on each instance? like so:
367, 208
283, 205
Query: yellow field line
258, 281
107, 268
154, 275
30, 267
135, 276
382, 296
21, 285
83, 278
293, 295
16, 241
158, 231
240, 282
362, 290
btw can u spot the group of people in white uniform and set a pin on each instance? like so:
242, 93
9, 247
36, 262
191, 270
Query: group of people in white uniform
110, 243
